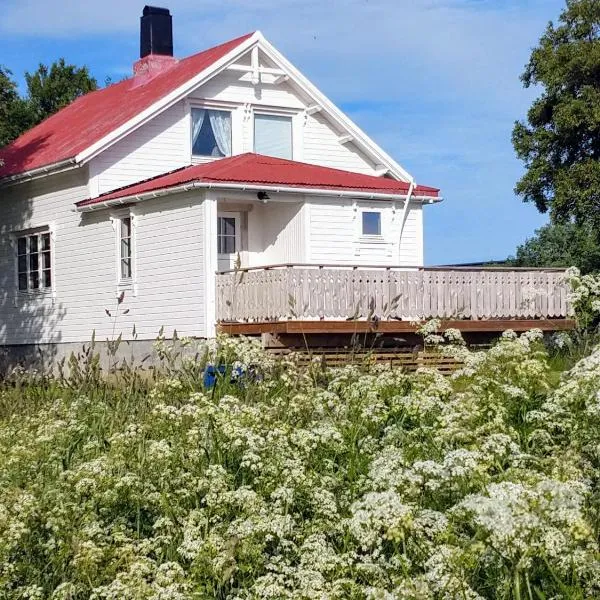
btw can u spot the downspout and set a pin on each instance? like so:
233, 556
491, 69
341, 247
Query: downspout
404, 213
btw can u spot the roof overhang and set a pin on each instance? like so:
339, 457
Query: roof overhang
98, 203
51, 169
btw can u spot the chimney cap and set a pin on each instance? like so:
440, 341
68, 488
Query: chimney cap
155, 10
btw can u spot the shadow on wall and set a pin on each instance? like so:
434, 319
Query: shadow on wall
26, 318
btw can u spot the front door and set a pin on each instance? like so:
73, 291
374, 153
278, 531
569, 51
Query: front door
228, 239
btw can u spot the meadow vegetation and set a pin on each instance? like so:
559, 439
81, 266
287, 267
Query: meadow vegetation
361, 482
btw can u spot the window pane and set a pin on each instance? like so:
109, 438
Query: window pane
211, 132
227, 245
125, 248
228, 226
22, 281
22, 246
371, 223
126, 268
273, 135
126, 227
34, 280
22, 264
34, 262
47, 278
33, 243
46, 241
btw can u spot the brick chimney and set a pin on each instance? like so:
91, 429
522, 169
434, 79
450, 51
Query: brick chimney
156, 42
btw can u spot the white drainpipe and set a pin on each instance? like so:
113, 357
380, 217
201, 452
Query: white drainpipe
405, 212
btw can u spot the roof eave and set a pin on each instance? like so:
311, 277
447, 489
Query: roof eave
51, 169
275, 189
167, 101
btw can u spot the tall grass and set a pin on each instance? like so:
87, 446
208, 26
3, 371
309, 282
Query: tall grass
289, 482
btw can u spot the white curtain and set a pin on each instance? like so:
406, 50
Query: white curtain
220, 122
198, 115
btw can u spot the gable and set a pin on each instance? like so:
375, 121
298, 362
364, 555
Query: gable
109, 115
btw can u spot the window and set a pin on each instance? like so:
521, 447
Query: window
211, 132
34, 261
125, 249
273, 135
226, 235
371, 223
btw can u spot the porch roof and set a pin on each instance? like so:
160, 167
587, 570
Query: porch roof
254, 171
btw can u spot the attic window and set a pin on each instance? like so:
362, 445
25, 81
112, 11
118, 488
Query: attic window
211, 132
273, 135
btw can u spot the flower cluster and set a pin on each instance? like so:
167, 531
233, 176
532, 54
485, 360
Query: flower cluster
361, 482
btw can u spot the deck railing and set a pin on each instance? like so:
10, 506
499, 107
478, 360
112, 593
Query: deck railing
305, 292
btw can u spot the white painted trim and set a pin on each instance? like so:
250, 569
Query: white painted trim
344, 139
51, 169
168, 100
254, 188
129, 284
333, 111
211, 264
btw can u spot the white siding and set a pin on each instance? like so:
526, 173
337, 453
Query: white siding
159, 146
170, 273
276, 233
163, 144
335, 234
321, 147
229, 86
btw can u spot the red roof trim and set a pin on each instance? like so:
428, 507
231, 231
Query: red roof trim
92, 117
255, 169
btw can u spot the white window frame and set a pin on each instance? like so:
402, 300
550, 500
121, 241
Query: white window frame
29, 233
125, 283
238, 230
371, 236
293, 114
236, 128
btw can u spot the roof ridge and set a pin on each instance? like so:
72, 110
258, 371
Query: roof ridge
237, 40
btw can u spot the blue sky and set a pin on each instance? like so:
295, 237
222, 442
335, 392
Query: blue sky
434, 82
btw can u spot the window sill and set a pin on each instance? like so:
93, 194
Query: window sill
372, 239
201, 160
36, 293
125, 284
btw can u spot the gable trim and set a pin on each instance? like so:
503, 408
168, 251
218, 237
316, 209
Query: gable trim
334, 113
167, 101
321, 104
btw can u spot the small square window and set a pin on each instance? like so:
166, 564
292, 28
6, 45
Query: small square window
371, 223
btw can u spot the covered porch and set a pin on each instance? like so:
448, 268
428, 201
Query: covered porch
298, 299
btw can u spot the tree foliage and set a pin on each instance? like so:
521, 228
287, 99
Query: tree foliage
561, 245
560, 141
48, 90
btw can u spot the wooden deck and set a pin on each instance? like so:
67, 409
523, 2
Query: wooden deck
326, 299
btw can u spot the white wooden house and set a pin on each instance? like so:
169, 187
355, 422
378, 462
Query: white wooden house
153, 185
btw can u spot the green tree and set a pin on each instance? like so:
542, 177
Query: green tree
560, 245
11, 108
51, 88
560, 141
48, 90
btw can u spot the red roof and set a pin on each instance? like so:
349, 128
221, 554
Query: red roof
93, 116
255, 169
